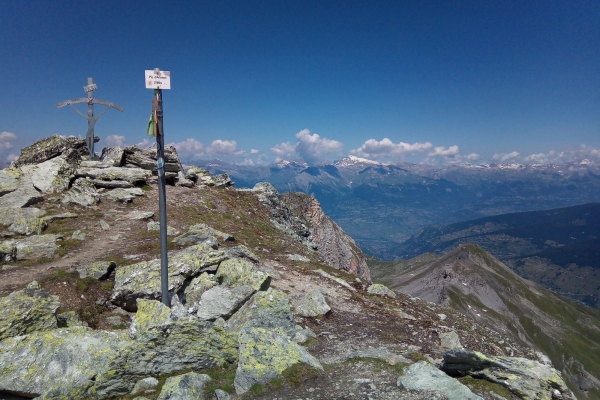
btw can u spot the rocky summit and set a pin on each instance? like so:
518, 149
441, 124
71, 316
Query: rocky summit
270, 299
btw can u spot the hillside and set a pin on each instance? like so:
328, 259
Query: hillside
381, 205
557, 248
470, 280
270, 298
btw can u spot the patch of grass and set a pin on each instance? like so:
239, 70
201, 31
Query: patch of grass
107, 285
65, 246
61, 274
378, 364
298, 373
257, 389
90, 313
82, 286
146, 188
481, 385
417, 357
222, 378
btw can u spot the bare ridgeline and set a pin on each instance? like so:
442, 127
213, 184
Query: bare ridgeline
271, 299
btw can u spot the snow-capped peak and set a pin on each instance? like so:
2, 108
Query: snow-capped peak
353, 160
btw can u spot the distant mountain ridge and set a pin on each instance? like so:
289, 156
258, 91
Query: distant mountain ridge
381, 205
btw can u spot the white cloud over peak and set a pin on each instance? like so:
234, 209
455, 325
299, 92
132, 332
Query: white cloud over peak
114, 140
310, 147
5, 140
442, 151
473, 157
386, 148
504, 157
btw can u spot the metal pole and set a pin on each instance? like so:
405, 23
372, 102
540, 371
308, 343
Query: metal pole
162, 202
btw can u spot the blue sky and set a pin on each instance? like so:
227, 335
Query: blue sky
253, 81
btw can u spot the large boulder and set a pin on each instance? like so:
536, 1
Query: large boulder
96, 270
21, 193
36, 247
381, 290
58, 364
264, 354
197, 287
83, 193
146, 159
50, 147
9, 180
142, 280
313, 304
200, 233
527, 379
112, 156
222, 302
9, 216
136, 176
29, 310
184, 387
51, 176
425, 377
239, 271
28, 226
266, 309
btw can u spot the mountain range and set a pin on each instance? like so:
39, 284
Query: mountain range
381, 204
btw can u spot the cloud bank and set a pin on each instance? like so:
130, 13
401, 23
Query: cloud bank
310, 147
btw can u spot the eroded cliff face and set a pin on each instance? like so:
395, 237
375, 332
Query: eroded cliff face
334, 245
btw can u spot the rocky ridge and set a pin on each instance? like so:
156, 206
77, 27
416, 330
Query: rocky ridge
270, 299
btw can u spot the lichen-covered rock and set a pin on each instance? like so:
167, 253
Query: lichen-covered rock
313, 304
208, 231
51, 176
266, 309
146, 159
194, 172
28, 310
48, 148
83, 193
69, 319
222, 302
96, 270
264, 355
142, 280
184, 387
9, 180
78, 235
58, 364
25, 195
144, 385
136, 176
8, 251
241, 251
526, 378
138, 215
37, 247
200, 233
99, 183
238, 271
183, 181
112, 156
381, 290
191, 238
198, 285
449, 340
423, 376
28, 226
10, 215
123, 195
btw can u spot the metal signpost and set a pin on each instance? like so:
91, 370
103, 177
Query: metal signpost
90, 100
158, 80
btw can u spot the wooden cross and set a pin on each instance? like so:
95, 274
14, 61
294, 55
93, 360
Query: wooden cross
90, 100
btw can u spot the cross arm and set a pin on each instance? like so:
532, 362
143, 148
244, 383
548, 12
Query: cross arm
86, 100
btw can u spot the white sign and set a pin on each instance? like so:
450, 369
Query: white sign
157, 79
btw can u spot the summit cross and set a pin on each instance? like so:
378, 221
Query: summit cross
91, 118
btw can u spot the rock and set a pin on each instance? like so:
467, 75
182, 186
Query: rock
302, 334
99, 183
69, 319
222, 181
197, 287
54, 217
135, 176
146, 159
48, 148
404, 315
264, 355
114, 320
238, 271
28, 226
336, 279
313, 304
241, 251
424, 376
112, 156
269, 309
36, 247
57, 364
9, 216
28, 310
183, 181
381, 290
221, 395
144, 385
208, 231
96, 270
222, 301
449, 340
8, 251
142, 280
525, 378
155, 226
184, 387
94, 164
78, 235
138, 215
191, 238
297, 257
83, 193
122, 195
194, 172
380, 353
178, 310
104, 225
24, 196
9, 180
51, 176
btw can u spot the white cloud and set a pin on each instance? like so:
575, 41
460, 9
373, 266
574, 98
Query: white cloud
283, 150
386, 148
442, 151
254, 151
504, 157
223, 148
473, 157
146, 143
310, 147
5, 140
114, 141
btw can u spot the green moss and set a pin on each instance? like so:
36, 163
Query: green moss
417, 357
298, 373
67, 245
481, 385
222, 378
257, 389
146, 188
